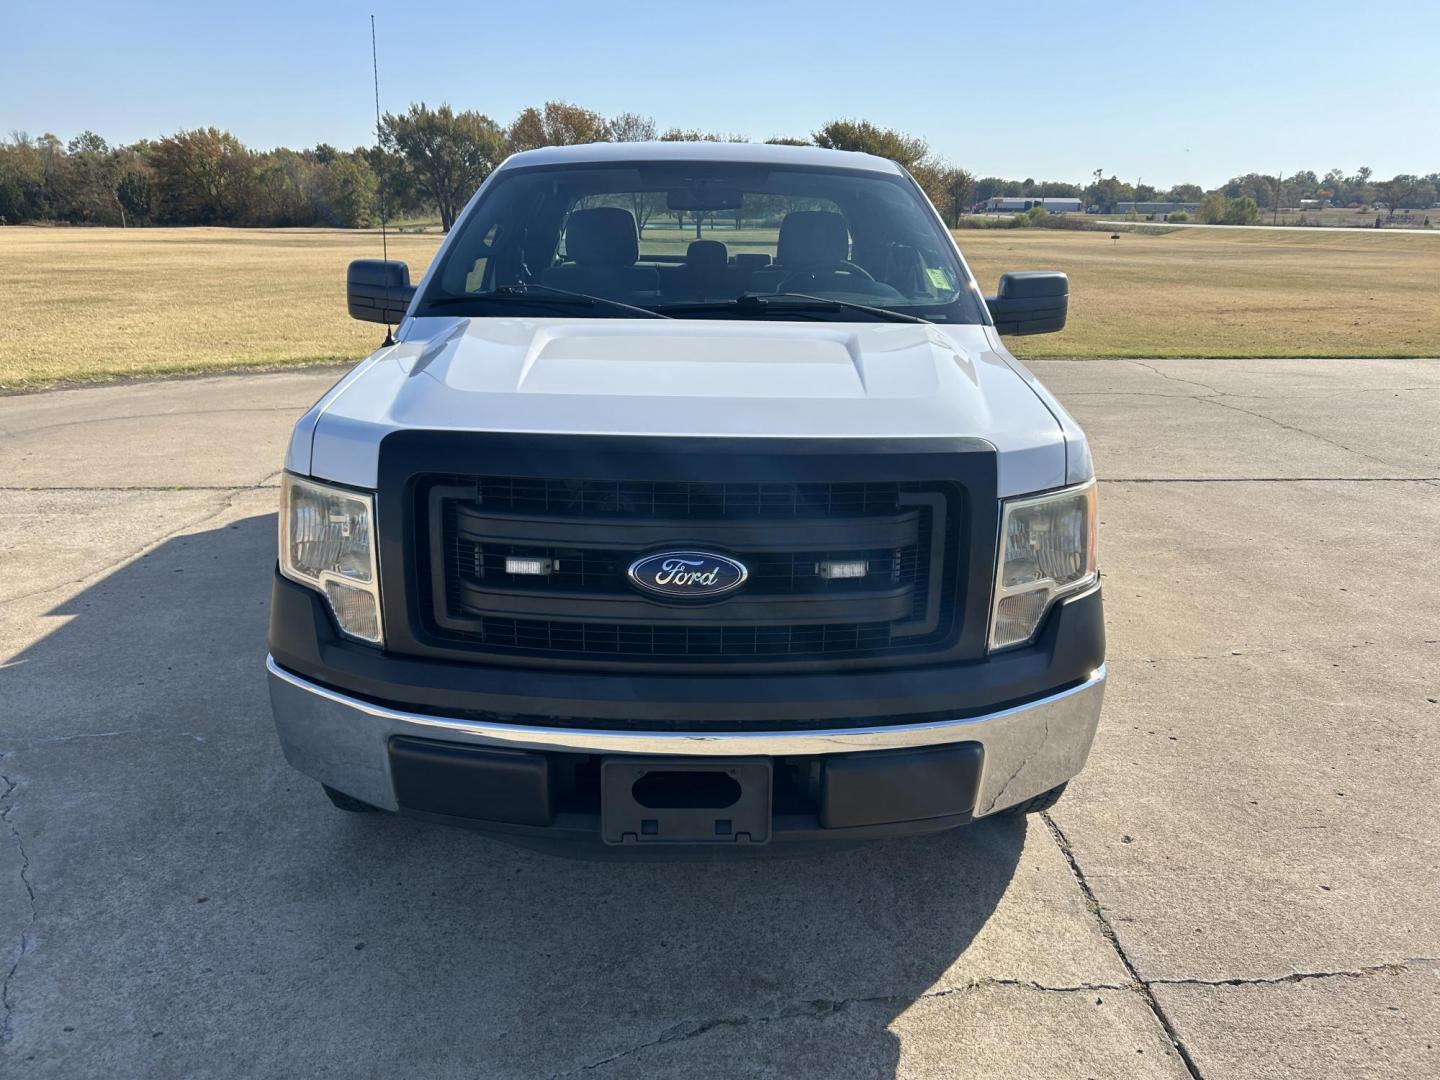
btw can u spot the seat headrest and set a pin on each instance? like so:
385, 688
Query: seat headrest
707, 255
604, 236
812, 238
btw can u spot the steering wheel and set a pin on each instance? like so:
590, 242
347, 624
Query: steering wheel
797, 282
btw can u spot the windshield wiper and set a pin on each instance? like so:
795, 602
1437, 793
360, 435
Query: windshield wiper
523, 292
757, 303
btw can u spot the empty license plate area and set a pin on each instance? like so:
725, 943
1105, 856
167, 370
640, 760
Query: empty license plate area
670, 801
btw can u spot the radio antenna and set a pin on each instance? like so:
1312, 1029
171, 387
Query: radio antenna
380, 160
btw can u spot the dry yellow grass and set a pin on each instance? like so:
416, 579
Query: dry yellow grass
91, 304
1230, 292
88, 304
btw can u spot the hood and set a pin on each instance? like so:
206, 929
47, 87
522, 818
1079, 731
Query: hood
688, 378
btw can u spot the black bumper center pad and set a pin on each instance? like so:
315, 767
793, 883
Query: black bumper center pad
483, 784
891, 786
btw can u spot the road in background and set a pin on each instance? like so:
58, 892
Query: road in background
1240, 885
1143, 223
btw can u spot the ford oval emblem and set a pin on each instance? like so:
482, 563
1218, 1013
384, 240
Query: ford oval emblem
688, 575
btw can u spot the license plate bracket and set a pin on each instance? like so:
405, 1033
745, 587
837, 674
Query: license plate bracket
685, 801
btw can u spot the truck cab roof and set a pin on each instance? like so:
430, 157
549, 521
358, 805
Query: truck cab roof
726, 152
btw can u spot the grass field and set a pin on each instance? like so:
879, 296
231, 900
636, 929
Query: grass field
92, 304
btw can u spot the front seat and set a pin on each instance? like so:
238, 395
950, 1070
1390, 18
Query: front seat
601, 246
812, 254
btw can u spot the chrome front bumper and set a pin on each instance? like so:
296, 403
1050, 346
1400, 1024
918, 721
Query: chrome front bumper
342, 741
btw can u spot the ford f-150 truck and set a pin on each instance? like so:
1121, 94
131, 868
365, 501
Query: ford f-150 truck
695, 501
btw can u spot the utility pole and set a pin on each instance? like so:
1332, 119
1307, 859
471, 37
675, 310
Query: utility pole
1279, 179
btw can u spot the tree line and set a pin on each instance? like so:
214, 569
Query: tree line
430, 160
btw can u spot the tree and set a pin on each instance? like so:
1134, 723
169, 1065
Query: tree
1241, 211
787, 140
448, 154
958, 187
864, 137
1403, 192
632, 127
22, 180
693, 135
89, 193
284, 183
346, 192
1212, 209
1185, 193
1106, 194
134, 193
1359, 184
556, 123
202, 177
1257, 186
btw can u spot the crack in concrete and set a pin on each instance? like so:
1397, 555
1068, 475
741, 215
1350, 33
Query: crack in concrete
1242, 649
206, 517
1269, 479
1394, 967
20, 741
1214, 396
153, 488
1215, 400
1108, 932
1298, 395
1216, 391
823, 1007
181, 413
24, 945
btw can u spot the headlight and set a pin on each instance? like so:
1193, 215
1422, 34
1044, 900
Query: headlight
327, 541
1047, 550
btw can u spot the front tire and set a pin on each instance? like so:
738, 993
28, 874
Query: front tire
1044, 801
341, 801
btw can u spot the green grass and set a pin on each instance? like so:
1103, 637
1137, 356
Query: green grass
93, 304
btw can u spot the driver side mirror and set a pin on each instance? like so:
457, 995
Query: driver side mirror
1030, 302
378, 290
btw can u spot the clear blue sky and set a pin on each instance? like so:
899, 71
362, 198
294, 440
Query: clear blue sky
1200, 91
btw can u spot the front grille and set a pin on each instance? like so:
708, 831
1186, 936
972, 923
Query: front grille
474, 562
590, 531
680, 501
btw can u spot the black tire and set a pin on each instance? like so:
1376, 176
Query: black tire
1044, 801
341, 801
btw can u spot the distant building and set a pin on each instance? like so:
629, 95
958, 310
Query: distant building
1153, 209
1018, 204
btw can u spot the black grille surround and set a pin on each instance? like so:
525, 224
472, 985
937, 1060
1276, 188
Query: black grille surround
920, 512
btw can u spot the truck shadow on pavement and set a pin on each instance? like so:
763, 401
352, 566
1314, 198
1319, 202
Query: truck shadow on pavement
200, 909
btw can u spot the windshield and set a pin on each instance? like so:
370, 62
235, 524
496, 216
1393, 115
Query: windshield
702, 241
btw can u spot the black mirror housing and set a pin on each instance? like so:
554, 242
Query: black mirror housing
1030, 302
378, 290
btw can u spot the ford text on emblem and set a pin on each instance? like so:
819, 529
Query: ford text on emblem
688, 575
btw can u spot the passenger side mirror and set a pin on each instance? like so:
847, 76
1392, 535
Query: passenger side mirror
1030, 302
378, 290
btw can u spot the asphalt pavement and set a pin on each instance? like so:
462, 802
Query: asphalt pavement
1245, 882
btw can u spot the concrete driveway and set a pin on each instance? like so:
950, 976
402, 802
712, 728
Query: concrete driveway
1244, 883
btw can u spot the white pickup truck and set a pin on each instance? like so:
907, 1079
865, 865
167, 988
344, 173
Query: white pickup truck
695, 502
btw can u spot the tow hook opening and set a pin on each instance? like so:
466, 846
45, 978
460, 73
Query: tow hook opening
666, 790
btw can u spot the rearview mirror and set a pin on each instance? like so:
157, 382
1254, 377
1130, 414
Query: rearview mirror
704, 196
378, 290
1030, 302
